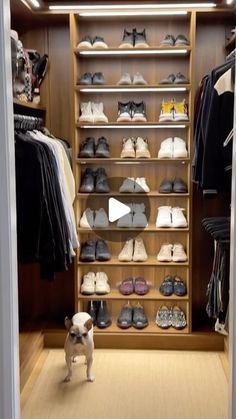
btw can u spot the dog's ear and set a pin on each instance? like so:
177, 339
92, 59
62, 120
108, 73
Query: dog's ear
88, 324
68, 323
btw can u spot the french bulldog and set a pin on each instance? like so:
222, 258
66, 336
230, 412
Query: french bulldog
79, 341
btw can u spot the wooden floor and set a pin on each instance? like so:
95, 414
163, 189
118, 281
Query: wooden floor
129, 384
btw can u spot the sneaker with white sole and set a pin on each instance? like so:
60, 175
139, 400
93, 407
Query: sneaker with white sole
140, 185
179, 148
179, 254
140, 254
88, 285
86, 112
124, 112
86, 42
128, 185
127, 220
166, 149
165, 253
178, 218
98, 113
87, 220
181, 111
98, 42
101, 286
142, 150
167, 111
139, 112
139, 217
126, 253
128, 150
101, 219
164, 217
125, 80
138, 79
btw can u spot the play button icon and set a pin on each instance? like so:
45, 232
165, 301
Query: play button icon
117, 209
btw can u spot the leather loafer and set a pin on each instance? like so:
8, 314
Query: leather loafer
127, 286
180, 288
167, 286
102, 251
87, 253
166, 186
87, 183
179, 186
103, 318
140, 286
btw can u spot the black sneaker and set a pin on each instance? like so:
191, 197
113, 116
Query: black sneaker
181, 40
102, 148
179, 186
168, 41
87, 147
124, 112
98, 78
86, 79
139, 112
140, 319
181, 79
125, 317
140, 40
101, 182
168, 80
87, 253
87, 182
166, 186
98, 42
102, 252
103, 317
92, 311
128, 40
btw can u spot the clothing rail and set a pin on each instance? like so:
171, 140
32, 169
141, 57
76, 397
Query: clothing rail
25, 122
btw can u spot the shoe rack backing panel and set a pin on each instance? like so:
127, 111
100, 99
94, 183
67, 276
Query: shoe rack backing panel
153, 69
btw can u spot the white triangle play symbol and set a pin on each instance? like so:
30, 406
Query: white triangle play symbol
116, 209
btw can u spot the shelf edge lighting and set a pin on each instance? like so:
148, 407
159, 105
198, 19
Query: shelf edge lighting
134, 52
133, 126
133, 13
139, 89
132, 6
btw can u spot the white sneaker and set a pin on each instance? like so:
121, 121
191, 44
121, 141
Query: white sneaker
128, 185
127, 220
102, 287
142, 148
138, 79
179, 254
164, 217
125, 79
101, 219
126, 253
86, 221
179, 148
139, 218
140, 185
178, 218
98, 114
99, 42
166, 149
128, 148
140, 254
86, 112
88, 285
165, 253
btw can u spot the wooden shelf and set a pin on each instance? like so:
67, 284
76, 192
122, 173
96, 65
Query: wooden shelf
231, 44
139, 125
29, 105
152, 328
152, 261
119, 160
151, 194
149, 228
134, 52
116, 295
149, 88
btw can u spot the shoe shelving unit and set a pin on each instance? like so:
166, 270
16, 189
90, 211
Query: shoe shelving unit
154, 63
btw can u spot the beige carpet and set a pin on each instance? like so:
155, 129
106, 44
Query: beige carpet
130, 384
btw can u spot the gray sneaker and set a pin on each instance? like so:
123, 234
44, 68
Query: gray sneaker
138, 79
98, 78
168, 80
181, 40
181, 79
125, 79
140, 40
128, 40
86, 79
168, 41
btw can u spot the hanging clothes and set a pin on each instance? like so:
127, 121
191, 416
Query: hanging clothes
214, 121
45, 191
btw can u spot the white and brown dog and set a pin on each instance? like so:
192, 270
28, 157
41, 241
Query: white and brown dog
79, 341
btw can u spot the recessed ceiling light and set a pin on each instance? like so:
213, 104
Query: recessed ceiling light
35, 3
229, 1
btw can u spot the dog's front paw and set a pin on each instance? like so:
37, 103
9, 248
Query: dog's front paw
67, 379
91, 378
